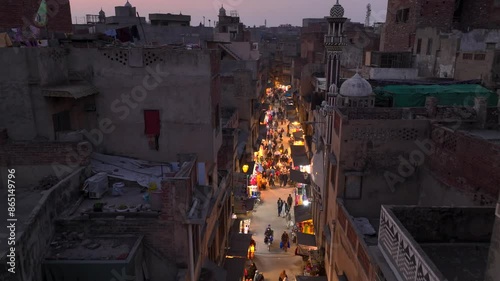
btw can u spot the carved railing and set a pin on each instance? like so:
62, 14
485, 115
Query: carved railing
401, 252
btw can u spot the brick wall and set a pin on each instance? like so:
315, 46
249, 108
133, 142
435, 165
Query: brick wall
466, 162
399, 36
20, 13
45, 153
32, 243
480, 14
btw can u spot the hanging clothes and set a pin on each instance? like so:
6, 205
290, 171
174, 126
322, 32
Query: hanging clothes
110, 32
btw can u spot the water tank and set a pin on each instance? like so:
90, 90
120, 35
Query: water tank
97, 185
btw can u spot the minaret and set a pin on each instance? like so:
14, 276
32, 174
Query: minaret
334, 43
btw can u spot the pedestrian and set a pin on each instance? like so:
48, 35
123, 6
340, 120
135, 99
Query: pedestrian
287, 208
283, 276
280, 206
285, 179
271, 181
289, 200
285, 240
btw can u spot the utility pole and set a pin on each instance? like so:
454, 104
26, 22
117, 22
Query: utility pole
203, 21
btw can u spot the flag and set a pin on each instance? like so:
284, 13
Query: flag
41, 15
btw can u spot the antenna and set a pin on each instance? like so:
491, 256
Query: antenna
368, 14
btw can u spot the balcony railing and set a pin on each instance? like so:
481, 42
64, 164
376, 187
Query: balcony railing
330, 39
401, 252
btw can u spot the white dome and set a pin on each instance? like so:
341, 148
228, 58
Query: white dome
356, 86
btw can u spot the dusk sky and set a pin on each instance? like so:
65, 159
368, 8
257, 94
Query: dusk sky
252, 12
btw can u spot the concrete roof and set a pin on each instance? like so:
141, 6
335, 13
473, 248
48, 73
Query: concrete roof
75, 246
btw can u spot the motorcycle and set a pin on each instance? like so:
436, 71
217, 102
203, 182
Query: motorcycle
268, 240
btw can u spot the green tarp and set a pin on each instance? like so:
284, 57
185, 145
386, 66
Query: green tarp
447, 95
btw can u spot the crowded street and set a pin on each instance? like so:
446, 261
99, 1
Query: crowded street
277, 182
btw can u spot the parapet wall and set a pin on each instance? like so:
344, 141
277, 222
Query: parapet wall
447, 224
33, 242
465, 162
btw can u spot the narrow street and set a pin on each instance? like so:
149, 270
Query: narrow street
271, 263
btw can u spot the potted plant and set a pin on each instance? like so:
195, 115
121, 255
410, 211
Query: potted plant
98, 206
122, 208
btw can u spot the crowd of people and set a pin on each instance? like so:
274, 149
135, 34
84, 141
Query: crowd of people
273, 158
273, 162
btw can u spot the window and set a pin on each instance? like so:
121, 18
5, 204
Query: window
467, 56
152, 128
479, 56
490, 46
216, 119
419, 46
429, 46
152, 122
353, 187
62, 121
402, 15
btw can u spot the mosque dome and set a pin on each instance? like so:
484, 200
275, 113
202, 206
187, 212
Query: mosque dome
101, 13
337, 11
356, 86
128, 4
222, 11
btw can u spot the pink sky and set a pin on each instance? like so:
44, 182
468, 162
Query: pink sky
252, 12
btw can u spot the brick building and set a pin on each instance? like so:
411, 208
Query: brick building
19, 14
405, 16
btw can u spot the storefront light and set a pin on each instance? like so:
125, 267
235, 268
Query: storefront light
306, 202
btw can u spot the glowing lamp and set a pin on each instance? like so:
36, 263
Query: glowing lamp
245, 168
306, 202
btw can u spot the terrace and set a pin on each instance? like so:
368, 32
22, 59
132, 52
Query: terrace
436, 243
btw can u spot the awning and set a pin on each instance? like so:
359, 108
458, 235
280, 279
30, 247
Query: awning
238, 245
301, 160
235, 268
300, 177
311, 278
298, 135
74, 90
212, 272
306, 239
299, 155
302, 213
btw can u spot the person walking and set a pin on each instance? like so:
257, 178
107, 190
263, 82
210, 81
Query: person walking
283, 276
280, 206
285, 240
289, 201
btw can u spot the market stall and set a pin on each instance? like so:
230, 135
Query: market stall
302, 181
315, 265
299, 157
235, 268
303, 218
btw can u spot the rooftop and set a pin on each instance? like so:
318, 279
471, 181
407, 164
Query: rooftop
75, 246
448, 242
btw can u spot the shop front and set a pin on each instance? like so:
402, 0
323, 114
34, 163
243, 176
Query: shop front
303, 219
302, 188
300, 159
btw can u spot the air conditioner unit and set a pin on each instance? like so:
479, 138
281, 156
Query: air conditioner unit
97, 185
